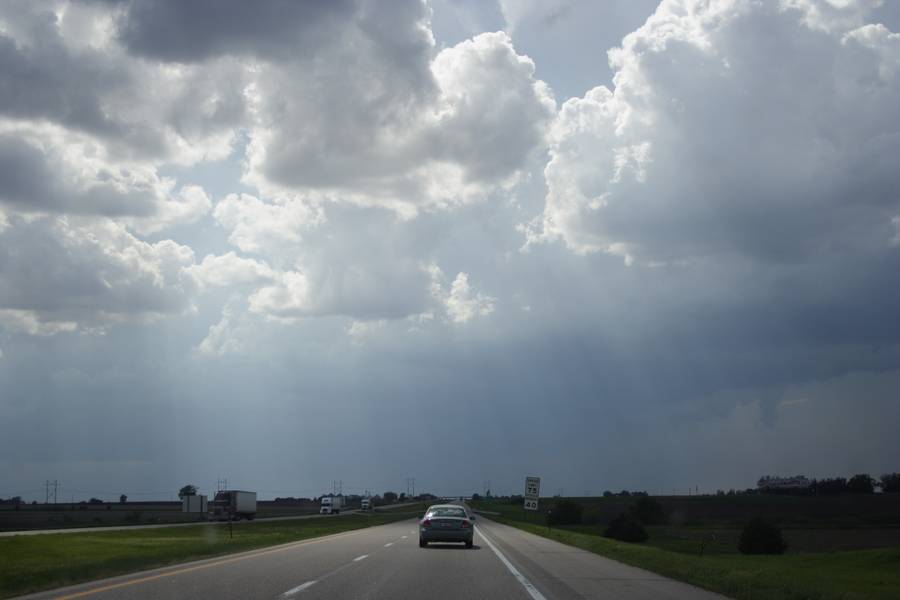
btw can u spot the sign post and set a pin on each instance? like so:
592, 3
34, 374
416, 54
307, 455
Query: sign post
532, 492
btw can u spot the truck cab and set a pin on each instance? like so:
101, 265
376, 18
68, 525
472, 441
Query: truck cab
331, 505
232, 505
366, 504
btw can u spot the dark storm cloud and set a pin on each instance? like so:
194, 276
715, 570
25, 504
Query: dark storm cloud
172, 30
43, 79
29, 182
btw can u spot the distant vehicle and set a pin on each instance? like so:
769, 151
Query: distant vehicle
331, 505
446, 523
366, 504
233, 505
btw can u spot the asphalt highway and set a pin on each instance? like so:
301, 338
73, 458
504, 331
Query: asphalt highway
386, 562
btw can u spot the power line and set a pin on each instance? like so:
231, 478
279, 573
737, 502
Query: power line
48, 485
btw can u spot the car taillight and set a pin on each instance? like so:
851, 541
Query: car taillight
426, 523
466, 524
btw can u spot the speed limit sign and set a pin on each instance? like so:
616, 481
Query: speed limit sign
532, 492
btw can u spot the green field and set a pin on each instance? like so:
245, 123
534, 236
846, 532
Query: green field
804, 573
38, 562
65, 515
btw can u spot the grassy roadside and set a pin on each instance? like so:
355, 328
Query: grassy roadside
39, 562
851, 575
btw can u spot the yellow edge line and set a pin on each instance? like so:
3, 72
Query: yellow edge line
122, 584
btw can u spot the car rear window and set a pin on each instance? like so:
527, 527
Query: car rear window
447, 512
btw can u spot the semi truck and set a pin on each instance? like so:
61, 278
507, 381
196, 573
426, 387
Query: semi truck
233, 505
331, 505
366, 504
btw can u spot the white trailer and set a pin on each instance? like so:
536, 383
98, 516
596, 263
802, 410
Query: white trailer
331, 505
233, 505
194, 504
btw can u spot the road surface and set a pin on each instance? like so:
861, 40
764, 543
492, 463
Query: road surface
386, 562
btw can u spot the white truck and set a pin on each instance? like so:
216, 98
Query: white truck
233, 505
331, 505
366, 504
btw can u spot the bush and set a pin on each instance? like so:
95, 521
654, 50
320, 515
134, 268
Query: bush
861, 484
761, 537
835, 485
565, 512
626, 528
890, 483
648, 511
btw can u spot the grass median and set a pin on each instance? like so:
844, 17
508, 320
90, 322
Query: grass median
849, 575
30, 563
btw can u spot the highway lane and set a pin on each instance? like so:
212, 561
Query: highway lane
386, 562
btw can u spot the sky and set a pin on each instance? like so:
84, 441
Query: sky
616, 245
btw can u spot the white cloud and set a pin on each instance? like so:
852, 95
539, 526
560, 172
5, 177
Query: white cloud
27, 321
462, 302
289, 298
734, 128
360, 331
832, 15
256, 225
49, 169
476, 117
95, 274
229, 269
465, 303
221, 340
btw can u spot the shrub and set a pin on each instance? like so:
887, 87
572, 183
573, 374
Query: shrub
626, 528
648, 511
761, 537
890, 483
565, 512
861, 484
835, 485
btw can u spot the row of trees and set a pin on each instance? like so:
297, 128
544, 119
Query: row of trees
861, 483
758, 536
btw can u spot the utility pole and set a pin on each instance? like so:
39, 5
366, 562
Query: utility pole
48, 485
221, 484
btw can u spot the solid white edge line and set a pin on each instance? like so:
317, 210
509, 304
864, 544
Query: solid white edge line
359, 558
299, 588
529, 587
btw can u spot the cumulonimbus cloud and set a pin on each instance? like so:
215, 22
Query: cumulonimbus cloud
765, 130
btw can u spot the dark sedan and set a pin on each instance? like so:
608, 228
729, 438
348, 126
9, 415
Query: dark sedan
446, 523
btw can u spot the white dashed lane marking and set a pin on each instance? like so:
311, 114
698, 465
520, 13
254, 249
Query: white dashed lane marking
297, 589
